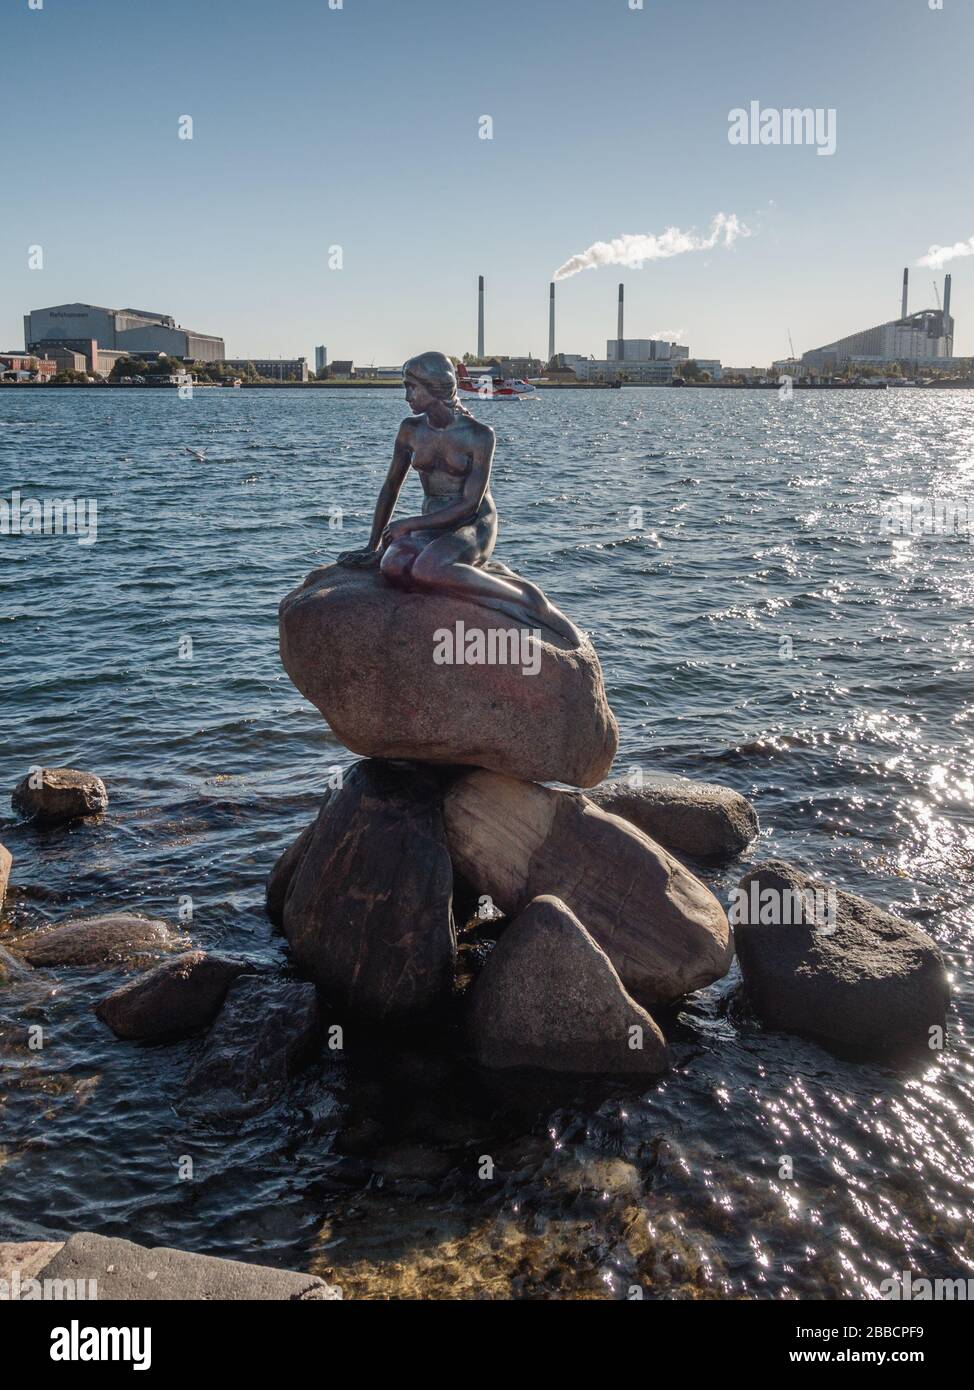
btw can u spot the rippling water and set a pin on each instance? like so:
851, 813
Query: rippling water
760, 524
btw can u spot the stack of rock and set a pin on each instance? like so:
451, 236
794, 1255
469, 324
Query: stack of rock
604, 926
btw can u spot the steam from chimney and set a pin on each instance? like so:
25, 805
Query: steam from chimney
938, 256
634, 251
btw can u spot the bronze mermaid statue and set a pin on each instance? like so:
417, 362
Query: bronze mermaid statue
448, 548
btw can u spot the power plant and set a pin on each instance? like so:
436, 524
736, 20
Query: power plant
480, 320
925, 336
551, 321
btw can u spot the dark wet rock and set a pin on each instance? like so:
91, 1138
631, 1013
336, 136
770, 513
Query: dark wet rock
550, 999
6, 859
172, 1001
702, 819
369, 912
125, 1271
12, 968
849, 974
665, 933
263, 1034
116, 938
362, 652
282, 875
56, 794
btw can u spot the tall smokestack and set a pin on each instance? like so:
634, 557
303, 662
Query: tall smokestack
480, 319
948, 334
906, 283
621, 338
551, 322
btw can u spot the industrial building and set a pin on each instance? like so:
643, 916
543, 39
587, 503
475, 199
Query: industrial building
123, 331
924, 337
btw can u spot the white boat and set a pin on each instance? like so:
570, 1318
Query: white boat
494, 388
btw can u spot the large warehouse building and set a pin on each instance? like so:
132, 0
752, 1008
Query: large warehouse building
927, 336
119, 330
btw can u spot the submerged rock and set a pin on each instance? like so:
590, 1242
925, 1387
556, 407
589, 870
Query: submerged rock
830, 965
12, 968
116, 937
364, 653
369, 911
172, 1001
665, 933
127, 1272
261, 1037
53, 795
282, 875
702, 819
549, 998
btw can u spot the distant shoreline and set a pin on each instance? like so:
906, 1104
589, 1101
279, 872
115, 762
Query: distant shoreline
366, 385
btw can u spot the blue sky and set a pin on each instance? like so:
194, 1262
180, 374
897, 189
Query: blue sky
358, 127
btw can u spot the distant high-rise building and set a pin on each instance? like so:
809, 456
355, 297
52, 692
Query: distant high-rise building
480, 319
321, 358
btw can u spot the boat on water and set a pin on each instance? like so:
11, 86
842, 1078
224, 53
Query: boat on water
494, 388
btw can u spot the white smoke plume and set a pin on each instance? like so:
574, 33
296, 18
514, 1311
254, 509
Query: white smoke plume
633, 251
938, 256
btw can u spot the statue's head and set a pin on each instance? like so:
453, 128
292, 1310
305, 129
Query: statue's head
429, 377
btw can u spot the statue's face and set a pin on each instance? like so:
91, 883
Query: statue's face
417, 396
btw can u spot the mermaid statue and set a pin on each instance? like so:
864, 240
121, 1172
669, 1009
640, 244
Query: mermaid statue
447, 549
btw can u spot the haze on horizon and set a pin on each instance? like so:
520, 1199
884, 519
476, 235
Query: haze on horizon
360, 128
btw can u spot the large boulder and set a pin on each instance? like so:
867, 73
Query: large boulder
550, 999
366, 654
6, 859
52, 795
665, 933
172, 1001
368, 915
116, 938
702, 819
828, 964
261, 1037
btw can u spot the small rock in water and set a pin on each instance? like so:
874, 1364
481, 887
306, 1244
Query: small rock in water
119, 937
282, 875
369, 911
829, 965
6, 859
550, 999
172, 1001
702, 819
53, 795
125, 1272
664, 931
261, 1036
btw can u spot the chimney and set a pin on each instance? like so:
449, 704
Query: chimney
480, 319
621, 339
948, 327
551, 322
906, 281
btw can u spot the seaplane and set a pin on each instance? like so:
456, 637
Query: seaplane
494, 388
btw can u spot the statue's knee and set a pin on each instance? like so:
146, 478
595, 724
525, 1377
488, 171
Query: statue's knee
425, 571
394, 565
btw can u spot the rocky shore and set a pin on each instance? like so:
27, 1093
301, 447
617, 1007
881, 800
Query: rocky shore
447, 889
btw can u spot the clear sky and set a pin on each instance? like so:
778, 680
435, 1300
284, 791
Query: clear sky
359, 127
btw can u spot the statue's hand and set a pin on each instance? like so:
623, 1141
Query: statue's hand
358, 559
